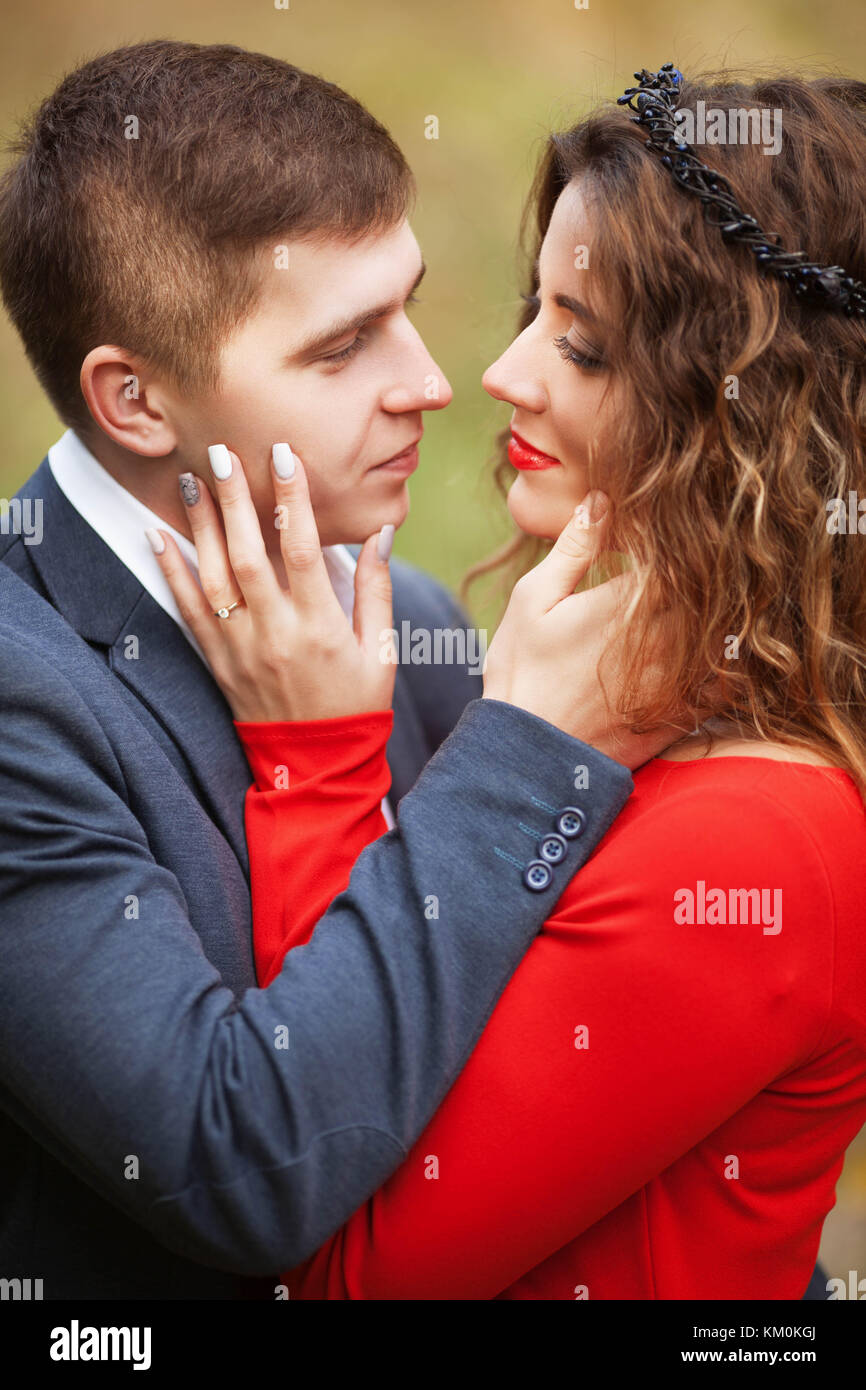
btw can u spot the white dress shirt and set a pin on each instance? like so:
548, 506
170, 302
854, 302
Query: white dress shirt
120, 520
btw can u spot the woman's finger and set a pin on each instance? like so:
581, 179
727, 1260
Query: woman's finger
568, 561
247, 555
373, 613
192, 604
301, 549
214, 567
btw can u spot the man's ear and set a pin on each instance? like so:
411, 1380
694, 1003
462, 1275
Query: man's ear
127, 401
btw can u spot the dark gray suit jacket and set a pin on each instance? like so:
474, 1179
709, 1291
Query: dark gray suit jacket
154, 1142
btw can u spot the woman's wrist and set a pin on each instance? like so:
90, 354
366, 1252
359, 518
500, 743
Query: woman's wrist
283, 752
313, 728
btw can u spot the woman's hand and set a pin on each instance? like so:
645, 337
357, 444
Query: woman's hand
279, 654
545, 655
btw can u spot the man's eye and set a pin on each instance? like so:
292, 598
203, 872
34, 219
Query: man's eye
356, 345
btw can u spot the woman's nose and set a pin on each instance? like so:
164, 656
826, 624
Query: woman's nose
516, 386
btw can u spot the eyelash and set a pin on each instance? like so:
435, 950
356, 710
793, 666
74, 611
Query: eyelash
359, 343
345, 353
570, 353
564, 347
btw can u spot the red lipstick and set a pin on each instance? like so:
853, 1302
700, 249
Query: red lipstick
526, 457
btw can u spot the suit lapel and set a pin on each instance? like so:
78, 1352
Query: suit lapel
156, 662
105, 603
407, 749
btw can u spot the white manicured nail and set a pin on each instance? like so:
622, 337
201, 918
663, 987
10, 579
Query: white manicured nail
385, 542
284, 461
157, 544
220, 461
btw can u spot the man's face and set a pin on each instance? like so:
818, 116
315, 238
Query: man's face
329, 363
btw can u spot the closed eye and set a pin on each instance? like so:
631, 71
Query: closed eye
359, 343
580, 359
565, 348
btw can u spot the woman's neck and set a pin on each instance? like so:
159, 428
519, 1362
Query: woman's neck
731, 739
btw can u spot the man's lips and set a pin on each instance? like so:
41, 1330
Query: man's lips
404, 462
526, 457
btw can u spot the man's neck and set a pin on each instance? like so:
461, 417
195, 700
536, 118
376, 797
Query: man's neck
152, 481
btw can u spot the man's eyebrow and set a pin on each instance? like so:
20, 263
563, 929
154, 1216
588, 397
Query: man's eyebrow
322, 337
565, 301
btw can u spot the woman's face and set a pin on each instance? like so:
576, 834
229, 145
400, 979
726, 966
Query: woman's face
554, 375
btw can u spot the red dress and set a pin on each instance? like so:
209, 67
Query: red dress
661, 1101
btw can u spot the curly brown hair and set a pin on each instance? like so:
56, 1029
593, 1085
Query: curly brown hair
720, 494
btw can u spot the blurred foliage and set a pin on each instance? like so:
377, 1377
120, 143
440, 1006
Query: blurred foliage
498, 75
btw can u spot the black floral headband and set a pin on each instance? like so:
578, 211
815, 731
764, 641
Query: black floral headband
656, 101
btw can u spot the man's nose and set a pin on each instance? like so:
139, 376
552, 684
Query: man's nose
423, 384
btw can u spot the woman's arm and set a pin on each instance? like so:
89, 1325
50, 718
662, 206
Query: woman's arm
623, 1039
314, 806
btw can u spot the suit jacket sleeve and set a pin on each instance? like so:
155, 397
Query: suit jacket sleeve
254, 1125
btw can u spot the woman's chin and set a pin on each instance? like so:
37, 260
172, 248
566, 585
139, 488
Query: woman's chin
544, 517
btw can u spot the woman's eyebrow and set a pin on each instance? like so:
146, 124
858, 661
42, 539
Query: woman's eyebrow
580, 311
322, 337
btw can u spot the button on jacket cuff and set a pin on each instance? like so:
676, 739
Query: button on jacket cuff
569, 792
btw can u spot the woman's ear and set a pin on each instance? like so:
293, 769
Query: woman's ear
127, 401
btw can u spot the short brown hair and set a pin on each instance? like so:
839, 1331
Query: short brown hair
145, 242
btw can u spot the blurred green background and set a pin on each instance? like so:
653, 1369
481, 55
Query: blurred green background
499, 75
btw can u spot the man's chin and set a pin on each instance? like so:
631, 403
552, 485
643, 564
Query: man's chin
353, 522
354, 528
